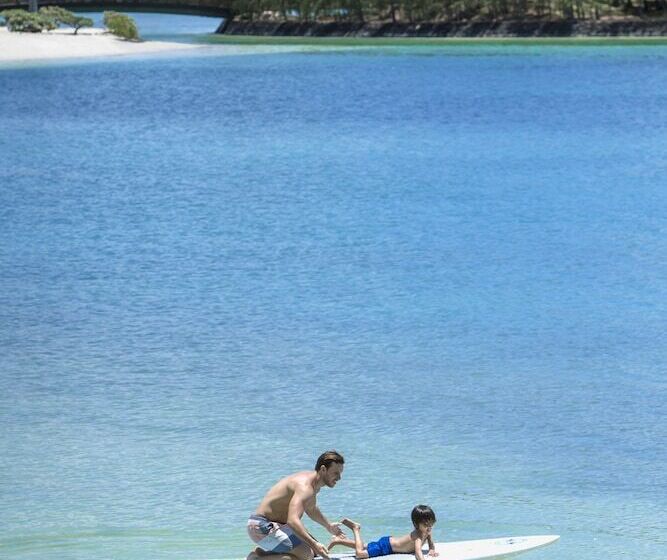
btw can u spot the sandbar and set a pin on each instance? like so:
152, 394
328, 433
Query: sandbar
63, 44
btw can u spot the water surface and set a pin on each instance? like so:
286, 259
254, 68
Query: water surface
447, 264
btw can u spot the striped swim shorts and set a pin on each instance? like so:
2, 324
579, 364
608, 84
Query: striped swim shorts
271, 536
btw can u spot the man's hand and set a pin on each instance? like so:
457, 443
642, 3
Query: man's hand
320, 550
334, 529
433, 553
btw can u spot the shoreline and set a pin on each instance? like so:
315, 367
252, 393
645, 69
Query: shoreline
62, 44
497, 29
366, 42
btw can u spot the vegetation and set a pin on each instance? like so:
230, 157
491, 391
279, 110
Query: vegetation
121, 25
414, 11
45, 20
51, 17
26, 22
62, 16
347, 42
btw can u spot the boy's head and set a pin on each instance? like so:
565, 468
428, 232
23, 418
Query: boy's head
423, 515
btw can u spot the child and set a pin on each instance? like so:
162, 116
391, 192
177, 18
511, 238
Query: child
423, 519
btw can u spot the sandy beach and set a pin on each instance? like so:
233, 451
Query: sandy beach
63, 44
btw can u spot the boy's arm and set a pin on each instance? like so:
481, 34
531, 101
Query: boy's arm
419, 555
431, 547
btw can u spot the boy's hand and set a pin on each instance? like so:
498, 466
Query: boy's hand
433, 553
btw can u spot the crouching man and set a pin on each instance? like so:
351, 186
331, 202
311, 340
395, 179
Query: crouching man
276, 525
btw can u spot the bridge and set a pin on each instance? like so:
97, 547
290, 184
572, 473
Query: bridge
215, 8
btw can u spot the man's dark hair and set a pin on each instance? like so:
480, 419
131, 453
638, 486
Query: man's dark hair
328, 458
422, 514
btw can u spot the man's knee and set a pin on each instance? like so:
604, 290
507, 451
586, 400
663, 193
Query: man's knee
303, 552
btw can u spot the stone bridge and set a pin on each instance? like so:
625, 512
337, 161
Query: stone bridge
220, 8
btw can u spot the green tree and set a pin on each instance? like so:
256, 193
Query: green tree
121, 25
418, 11
6, 14
26, 22
248, 10
65, 17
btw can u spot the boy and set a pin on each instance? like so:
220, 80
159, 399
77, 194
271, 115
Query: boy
423, 519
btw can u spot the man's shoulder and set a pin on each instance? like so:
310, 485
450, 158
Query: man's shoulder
302, 480
306, 476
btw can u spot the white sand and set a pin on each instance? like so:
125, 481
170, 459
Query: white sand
62, 43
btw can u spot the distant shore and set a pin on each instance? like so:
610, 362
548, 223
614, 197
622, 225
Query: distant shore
471, 29
63, 44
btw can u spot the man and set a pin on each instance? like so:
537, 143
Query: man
276, 525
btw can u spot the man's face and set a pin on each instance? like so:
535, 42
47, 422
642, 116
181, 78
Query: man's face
332, 474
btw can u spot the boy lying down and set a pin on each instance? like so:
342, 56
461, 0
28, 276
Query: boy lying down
423, 519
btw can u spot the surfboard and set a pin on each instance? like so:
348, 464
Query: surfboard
472, 550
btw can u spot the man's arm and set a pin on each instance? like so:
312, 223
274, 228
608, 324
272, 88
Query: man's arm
294, 515
316, 515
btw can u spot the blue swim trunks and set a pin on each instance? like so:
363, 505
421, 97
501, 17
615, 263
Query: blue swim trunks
379, 548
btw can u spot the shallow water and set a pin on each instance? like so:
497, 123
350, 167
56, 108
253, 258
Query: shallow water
450, 267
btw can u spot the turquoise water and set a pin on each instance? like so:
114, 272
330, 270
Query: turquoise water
449, 264
166, 27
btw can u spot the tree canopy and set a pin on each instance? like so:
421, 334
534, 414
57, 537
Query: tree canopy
121, 25
414, 11
65, 17
48, 18
21, 21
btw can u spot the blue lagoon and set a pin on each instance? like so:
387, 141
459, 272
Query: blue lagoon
449, 263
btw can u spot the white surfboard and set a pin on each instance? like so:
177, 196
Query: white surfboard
472, 550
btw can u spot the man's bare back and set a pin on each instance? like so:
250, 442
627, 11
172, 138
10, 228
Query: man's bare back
275, 505
276, 525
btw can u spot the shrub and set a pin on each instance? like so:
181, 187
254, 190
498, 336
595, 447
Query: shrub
121, 25
56, 13
62, 16
6, 14
27, 22
80, 21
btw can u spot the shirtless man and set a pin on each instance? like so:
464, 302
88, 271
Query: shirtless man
276, 525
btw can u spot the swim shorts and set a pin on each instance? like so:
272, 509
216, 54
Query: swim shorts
271, 536
379, 548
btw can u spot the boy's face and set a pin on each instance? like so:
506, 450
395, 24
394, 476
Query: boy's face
425, 528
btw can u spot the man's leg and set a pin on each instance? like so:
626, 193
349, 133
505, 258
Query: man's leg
301, 552
259, 554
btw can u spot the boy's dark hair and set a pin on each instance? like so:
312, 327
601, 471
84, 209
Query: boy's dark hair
329, 457
422, 514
